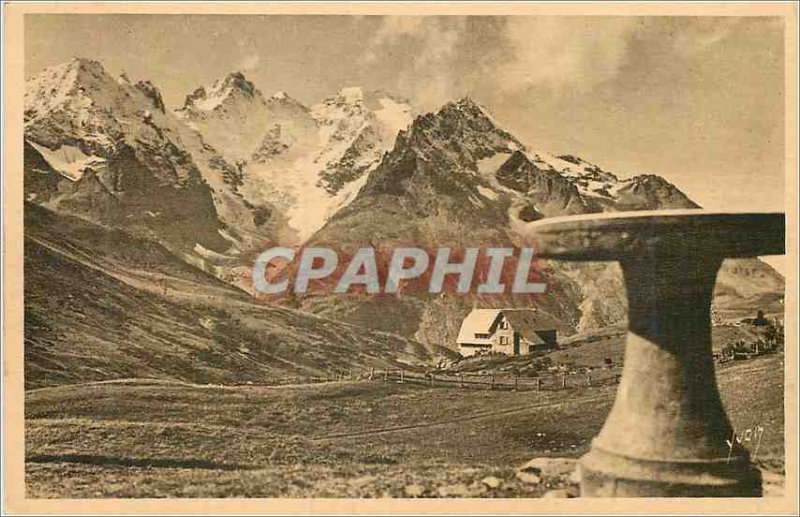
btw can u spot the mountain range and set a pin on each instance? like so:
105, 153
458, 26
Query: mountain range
232, 171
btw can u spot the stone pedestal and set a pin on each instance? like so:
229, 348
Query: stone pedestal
667, 432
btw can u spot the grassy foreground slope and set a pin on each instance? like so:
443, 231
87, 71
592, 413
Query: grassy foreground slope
365, 439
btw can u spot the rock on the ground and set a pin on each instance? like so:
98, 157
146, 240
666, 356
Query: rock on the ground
549, 469
414, 490
491, 482
528, 477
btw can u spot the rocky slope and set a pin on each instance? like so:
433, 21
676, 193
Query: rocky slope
459, 171
308, 161
455, 178
107, 150
312, 173
233, 116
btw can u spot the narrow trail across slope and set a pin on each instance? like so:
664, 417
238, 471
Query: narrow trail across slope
472, 417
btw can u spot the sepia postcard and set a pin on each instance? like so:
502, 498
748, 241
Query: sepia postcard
400, 258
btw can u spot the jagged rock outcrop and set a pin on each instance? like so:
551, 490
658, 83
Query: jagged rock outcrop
455, 178
115, 155
102, 149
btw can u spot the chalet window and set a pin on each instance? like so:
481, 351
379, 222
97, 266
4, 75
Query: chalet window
503, 340
503, 325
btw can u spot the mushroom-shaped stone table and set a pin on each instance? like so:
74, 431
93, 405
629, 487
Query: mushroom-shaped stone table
667, 433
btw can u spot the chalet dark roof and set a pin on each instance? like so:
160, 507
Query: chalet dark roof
530, 321
525, 321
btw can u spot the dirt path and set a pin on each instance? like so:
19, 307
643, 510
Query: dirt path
142, 381
468, 418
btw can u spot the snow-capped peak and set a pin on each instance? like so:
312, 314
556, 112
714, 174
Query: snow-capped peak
85, 64
282, 100
237, 81
473, 109
83, 89
58, 84
208, 98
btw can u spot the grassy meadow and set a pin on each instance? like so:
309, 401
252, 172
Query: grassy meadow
145, 438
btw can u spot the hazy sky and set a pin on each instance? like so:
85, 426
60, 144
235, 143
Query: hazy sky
699, 101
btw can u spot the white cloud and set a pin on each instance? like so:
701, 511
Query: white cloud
452, 57
564, 52
434, 42
439, 58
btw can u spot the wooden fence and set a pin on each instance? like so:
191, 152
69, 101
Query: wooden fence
472, 380
503, 381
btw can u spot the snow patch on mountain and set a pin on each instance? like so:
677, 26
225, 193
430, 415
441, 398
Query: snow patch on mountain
313, 206
488, 166
79, 118
68, 160
313, 161
211, 102
393, 116
307, 162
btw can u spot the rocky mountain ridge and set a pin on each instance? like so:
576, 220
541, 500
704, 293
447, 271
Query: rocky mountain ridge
106, 149
455, 178
308, 160
233, 171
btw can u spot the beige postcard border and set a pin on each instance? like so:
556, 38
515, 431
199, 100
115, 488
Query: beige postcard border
13, 401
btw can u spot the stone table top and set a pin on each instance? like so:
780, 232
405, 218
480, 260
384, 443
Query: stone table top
657, 234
